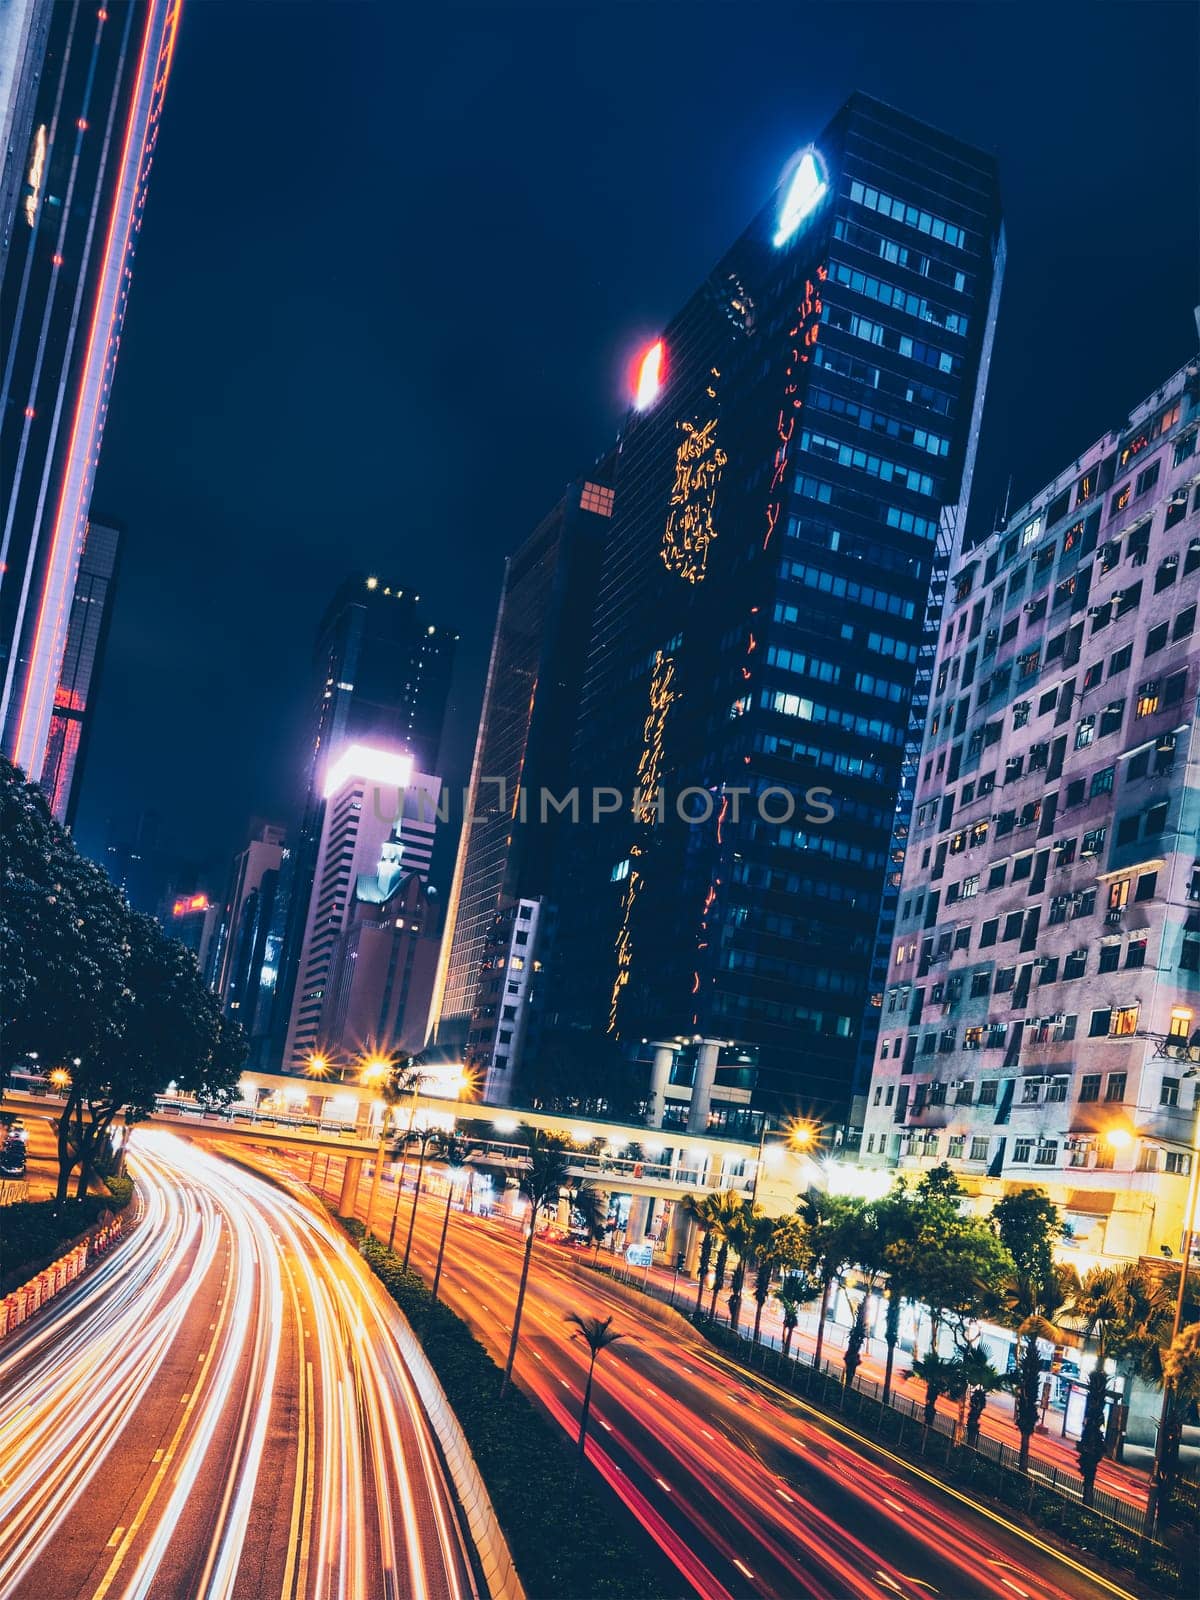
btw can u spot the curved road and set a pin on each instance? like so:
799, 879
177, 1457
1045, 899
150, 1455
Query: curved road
220, 1409
753, 1494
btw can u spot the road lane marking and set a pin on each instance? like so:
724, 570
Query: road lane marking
868, 1447
663, 1484
116, 1538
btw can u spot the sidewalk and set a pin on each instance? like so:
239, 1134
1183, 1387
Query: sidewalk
1049, 1450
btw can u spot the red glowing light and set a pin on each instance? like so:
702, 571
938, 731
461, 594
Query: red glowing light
651, 375
82, 124
193, 902
30, 412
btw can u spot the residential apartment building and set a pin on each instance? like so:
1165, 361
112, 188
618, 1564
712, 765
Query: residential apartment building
1039, 1022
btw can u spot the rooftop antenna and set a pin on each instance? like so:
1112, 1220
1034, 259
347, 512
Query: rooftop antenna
1003, 523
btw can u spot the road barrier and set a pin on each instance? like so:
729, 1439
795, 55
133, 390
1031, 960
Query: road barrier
17, 1308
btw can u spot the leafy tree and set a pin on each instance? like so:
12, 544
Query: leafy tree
960, 1262
541, 1180
898, 1219
832, 1233
866, 1246
1029, 1225
598, 1334
939, 1183
168, 1029
62, 937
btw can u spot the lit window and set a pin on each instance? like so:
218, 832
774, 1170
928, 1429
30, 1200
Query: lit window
595, 497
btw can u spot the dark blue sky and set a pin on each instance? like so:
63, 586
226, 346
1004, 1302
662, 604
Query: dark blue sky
393, 267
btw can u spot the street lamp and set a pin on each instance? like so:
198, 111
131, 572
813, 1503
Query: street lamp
61, 1078
797, 1136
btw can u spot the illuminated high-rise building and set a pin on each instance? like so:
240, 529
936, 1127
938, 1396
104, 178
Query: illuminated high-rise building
381, 678
1042, 1014
84, 142
87, 631
790, 485
378, 822
510, 838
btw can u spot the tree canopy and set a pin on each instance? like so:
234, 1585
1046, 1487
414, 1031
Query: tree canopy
96, 989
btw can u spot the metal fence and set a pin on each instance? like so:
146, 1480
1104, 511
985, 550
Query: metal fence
903, 1420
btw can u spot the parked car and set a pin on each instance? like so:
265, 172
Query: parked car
12, 1158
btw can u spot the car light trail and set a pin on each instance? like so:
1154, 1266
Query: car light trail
368, 1508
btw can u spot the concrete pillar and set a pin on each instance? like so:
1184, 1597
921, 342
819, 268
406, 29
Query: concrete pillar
677, 1233
660, 1076
702, 1088
350, 1180
635, 1228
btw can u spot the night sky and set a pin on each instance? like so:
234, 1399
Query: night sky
393, 268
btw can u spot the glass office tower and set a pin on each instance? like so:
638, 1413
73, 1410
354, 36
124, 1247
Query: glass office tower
85, 148
788, 491
381, 674
510, 839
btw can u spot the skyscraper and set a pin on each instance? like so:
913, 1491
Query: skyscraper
1044, 990
378, 824
87, 632
789, 486
248, 911
508, 847
84, 141
381, 678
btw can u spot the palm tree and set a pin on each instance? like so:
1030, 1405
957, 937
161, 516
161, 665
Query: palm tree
979, 1378
778, 1243
405, 1079
796, 1290
940, 1376
1100, 1306
456, 1156
1026, 1381
721, 1210
1181, 1383
739, 1238
424, 1139
701, 1211
897, 1223
548, 1157
597, 1333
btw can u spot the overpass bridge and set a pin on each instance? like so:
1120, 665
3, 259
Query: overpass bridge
644, 1163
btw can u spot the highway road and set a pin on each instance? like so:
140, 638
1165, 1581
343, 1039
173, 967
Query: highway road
747, 1490
220, 1409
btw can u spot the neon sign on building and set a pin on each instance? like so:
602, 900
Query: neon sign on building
804, 193
690, 526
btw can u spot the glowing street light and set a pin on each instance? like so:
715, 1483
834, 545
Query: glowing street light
60, 1078
318, 1066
